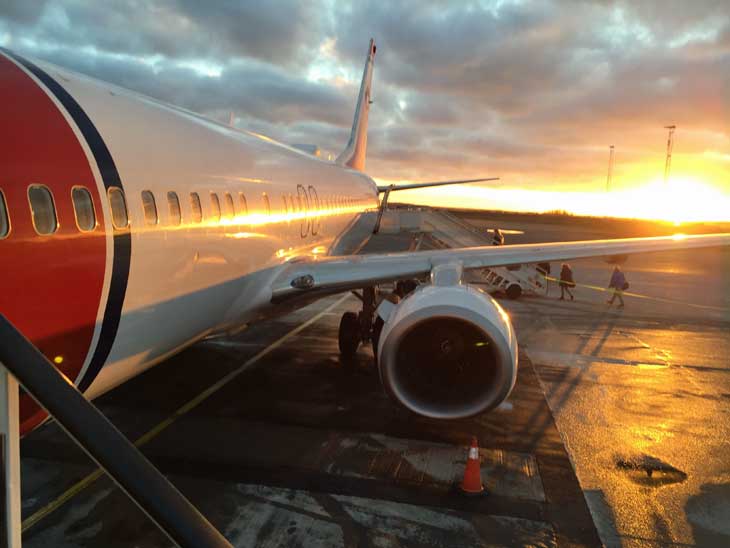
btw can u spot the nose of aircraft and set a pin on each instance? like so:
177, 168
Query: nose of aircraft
53, 248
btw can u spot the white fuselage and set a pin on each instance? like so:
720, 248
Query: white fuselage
191, 279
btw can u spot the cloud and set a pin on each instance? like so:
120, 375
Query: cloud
22, 12
534, 90
279, 32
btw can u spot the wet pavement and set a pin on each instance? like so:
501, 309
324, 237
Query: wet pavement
641, 396
279, 443
301, 449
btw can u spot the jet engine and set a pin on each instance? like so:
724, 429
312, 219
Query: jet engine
448, 352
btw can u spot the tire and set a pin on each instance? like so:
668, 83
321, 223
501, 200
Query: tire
349, 334
405, 287
514, 291
375, 338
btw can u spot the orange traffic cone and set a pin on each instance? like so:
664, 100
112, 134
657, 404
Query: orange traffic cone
472, 483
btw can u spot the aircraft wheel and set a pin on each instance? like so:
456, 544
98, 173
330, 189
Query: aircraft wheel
405, 287
514, 291
349, 334
375, 338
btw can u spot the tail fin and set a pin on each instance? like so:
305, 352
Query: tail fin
354, 154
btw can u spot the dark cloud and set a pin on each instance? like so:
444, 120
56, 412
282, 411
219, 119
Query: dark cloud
22, 12
272, 31
254, 90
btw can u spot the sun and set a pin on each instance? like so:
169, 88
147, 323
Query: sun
679, 200
682, 199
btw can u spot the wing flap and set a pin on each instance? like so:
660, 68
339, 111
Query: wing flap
335, 274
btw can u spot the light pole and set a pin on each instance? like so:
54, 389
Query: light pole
670, 145
610, 169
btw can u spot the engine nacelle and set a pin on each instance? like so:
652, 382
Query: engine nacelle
448, 352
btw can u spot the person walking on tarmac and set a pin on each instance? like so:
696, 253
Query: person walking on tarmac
498, 238
566, 281
619, 284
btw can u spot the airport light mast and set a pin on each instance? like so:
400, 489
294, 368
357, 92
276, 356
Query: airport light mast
670, 145
610, 169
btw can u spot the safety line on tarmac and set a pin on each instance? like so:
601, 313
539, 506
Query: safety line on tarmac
640, 296
156, 430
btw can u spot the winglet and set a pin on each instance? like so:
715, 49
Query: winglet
354, 154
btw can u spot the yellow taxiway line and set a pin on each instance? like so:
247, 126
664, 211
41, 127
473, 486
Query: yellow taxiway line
156, 430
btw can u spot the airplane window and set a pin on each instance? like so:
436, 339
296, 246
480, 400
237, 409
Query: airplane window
314, 201
267, 204
313, 198
303, 198
118, 205
173, 204
195, 207
83, 208
4, 220
215, 206
150, 208
244, 204
229, 207
303, 208
42, 209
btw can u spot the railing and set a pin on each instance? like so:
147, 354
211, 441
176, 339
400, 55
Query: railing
98, 437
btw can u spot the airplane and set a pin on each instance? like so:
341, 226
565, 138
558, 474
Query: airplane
130, 229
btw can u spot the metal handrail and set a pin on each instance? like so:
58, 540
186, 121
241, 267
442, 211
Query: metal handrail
101, 440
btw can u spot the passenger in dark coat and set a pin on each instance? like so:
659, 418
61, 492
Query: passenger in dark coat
566, 281
618, 283
498, 237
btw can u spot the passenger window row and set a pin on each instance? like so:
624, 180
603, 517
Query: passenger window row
45, 220
43, 210
218, 211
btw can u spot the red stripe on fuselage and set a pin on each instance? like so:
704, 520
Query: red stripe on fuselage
52, 285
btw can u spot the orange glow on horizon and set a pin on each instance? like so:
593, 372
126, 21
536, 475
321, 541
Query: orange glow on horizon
682, 199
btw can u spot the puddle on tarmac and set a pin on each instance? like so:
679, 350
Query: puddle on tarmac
649, 471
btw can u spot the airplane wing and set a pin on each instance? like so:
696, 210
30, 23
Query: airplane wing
341, 273
409, 186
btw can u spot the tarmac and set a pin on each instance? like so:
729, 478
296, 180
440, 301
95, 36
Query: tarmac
616, 433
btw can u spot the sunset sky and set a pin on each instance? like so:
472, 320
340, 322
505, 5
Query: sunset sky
531, 91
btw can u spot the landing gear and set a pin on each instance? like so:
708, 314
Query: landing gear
514, 291
358, 328
365, 326
375, 339
349, 334
405, 287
